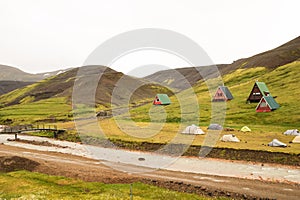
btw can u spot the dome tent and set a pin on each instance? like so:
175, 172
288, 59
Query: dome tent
229, 138
292, 132
296, 139
215, 127
193, 129
245, 129
276, 143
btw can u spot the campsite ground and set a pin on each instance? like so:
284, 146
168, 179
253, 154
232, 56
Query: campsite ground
257, 139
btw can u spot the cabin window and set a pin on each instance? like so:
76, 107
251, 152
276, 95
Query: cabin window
263, 104
256, 94
157, 99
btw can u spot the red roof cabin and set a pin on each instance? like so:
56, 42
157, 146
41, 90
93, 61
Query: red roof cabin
161, 99
267, 104
222, 94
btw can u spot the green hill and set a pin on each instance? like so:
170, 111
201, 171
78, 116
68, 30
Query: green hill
51, 99
282, 82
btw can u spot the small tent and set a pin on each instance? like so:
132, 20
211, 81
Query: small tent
215, 127
3, 127
258, 91
193, 129
292, 132
245, 129
222, 94
296, 139
276, 143
267, 104
229, 138
161, 99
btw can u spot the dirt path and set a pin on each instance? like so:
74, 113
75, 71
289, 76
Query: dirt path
93, 170
147, 161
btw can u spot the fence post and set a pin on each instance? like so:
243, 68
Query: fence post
55, 134
131, 195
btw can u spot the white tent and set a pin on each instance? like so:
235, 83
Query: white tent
292, 132
229, 138
296, 139
193, 129
276, 143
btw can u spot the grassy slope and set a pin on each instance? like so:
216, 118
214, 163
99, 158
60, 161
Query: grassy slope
28, 185
282, 82
50, 109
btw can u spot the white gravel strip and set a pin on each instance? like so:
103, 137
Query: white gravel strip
139, 162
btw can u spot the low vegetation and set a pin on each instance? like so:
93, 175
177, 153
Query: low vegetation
29, 185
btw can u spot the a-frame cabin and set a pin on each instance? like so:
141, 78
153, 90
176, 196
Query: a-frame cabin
161, 99
258, 91
222, 94
267, 104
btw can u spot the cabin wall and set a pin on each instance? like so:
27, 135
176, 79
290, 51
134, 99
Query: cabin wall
219, 96
255, 95
263, 107
156, 101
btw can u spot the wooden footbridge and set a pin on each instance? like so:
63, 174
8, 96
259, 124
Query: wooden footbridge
32, 128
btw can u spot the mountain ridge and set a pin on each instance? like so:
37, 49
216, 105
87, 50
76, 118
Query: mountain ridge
271, 59
9, 73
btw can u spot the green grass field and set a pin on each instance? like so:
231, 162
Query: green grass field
29, 185
54, 109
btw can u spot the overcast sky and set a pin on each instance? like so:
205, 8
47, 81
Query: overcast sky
39, 36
